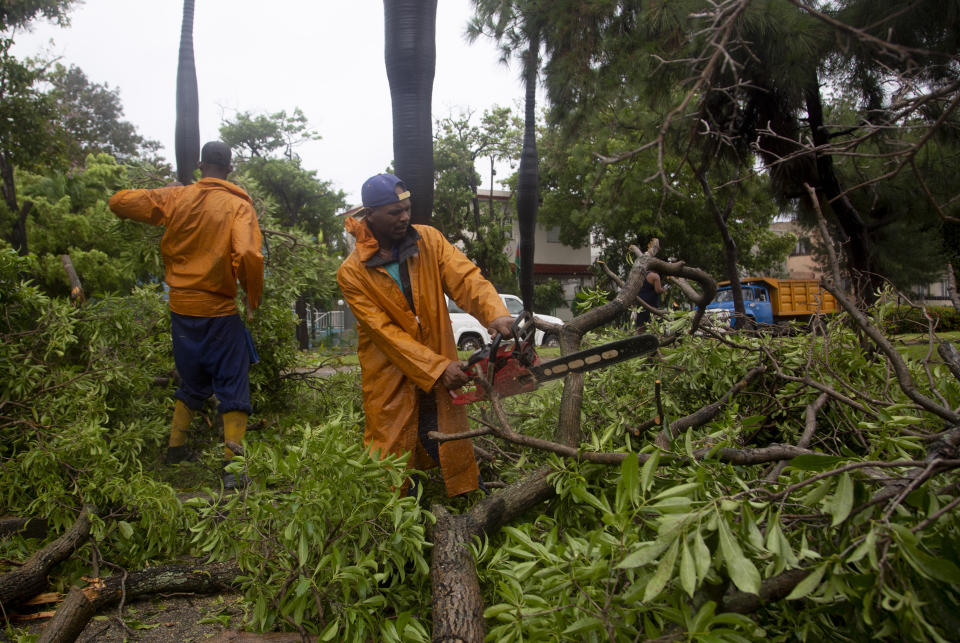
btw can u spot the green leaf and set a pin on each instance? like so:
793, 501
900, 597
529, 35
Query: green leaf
644, 555
936, 568
701, 555
703, 618
662, 575
815, 462
840, 503
126, 529
677, 490
742, 571
584, 624
649, 467
330, 631
688, 571
808, 584
629, 487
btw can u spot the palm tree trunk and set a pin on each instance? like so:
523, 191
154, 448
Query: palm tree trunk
187, 134
528, 175
410, 55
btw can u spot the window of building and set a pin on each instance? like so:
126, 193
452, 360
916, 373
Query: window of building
553, 234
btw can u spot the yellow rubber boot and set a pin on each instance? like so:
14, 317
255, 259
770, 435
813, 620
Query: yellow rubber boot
177, 450
234, 428
182, 416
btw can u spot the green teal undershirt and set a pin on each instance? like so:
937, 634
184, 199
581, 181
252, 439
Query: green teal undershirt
393, 269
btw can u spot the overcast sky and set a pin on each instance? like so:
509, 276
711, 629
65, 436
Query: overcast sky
321, 56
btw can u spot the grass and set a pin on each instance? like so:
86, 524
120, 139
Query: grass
916, 346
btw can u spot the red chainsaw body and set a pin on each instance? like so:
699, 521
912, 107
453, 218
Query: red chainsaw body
510, 376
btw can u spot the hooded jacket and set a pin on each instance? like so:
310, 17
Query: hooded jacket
212, 239
403, 351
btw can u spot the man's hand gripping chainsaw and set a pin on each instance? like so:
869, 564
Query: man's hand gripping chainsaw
517, 369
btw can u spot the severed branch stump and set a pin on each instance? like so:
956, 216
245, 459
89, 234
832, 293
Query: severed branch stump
31, 577
457, 603
77, 298
83, 603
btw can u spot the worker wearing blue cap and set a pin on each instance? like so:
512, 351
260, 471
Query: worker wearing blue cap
395, 281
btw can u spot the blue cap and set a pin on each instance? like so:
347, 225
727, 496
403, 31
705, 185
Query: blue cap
381, 189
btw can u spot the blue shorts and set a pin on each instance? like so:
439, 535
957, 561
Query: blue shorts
213, 356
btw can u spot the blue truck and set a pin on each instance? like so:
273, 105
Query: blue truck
770, 301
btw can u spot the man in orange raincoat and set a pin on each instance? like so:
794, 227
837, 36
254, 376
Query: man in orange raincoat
395, 281
212, 240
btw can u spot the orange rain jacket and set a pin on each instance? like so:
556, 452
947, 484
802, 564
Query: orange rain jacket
400, 353
212, 239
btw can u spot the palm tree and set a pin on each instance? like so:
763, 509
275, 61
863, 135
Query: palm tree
516, 27
410, 55
187, 135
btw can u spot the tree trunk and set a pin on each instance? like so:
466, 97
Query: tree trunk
31, 577
857, 242
457, 602
187, 133
952, 287
303, 337
82, 603
410, 55
528, 175
18, 236
730, 250
26, 527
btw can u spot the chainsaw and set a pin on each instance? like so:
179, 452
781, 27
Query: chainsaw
518, 369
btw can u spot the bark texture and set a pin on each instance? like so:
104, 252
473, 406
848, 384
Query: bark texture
457, 603
528, 175
410, 54
31, 577
82, 603
187, 133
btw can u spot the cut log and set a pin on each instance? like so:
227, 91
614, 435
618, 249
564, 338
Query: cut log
457, 602
82, 603
31, 578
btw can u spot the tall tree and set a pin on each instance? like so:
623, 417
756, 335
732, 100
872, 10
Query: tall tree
517, 27
753, 75
28, 135
410, 54
91, 116
187, 129
458, 146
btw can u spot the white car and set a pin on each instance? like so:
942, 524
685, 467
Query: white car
470, 334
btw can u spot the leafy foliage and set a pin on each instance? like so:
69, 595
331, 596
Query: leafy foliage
481, 228
351, 564
661, 544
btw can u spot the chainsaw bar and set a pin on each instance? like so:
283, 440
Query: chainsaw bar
596, 357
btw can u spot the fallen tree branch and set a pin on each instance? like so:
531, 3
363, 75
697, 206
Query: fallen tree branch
707, 413
77, 298
83, 603
771, 590
904, 378
810, 427
949, 354
457, 603
31, 578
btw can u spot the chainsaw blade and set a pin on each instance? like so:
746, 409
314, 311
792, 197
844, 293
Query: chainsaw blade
596, 357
